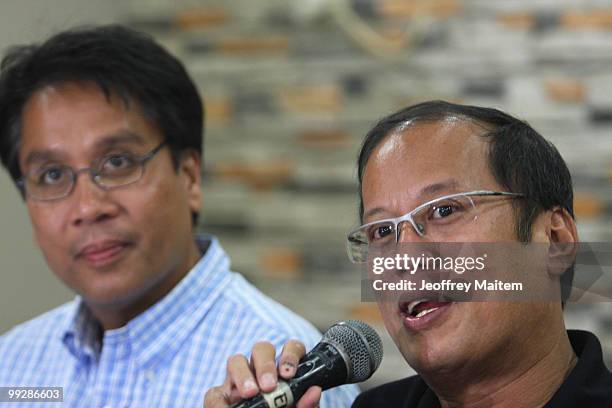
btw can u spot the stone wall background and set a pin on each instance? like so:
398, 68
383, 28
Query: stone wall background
291, 87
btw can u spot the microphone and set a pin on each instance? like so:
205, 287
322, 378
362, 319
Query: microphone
349, 352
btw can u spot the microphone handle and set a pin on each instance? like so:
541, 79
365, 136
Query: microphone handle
323, 366
255, 402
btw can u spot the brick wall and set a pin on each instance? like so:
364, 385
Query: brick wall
292, 86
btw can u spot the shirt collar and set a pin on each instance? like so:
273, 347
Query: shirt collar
588, 384
163, 326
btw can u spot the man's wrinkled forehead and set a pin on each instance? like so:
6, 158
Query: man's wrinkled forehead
454, 137
418, 153
51, 128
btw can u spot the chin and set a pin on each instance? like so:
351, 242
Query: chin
109, 295
428, 354
432, 361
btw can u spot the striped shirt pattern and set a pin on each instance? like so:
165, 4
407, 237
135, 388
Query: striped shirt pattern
167, 356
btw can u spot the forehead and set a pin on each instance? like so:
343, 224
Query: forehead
422, 154
74, 118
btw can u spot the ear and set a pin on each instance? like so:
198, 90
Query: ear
563, 241
189, 168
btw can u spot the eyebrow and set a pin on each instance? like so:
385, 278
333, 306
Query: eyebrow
428, 190
449, 184
120, 137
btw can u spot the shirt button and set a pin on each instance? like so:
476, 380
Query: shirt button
150, 375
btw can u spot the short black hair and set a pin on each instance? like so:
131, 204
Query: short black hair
119, 60
520, 159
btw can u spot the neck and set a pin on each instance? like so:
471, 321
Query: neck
118, 314
528, 383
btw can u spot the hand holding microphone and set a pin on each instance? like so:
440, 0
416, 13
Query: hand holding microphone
349, 352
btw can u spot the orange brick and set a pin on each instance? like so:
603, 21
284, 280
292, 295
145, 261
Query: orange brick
415, 8
271, 44
259, 175
327, 138
396, 37
311, 99
218, 110
565, 90
586, 205
521, 19
200, 18
284, 263
587, 19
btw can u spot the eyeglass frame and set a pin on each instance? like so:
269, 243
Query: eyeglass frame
408, 216
94, 174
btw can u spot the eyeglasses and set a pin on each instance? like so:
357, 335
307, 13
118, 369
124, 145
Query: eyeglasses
56, 181
437, 219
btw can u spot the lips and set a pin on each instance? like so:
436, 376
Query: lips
423, 313
102, 252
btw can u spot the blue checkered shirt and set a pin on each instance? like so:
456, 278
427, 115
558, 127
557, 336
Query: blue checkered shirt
167, 356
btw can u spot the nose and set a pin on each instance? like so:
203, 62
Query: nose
91, 204
406, 233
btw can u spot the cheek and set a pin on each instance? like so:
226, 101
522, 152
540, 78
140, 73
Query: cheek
539, 231
494, 320
492, 227
48, 223
391, 321
49, 229
160, 207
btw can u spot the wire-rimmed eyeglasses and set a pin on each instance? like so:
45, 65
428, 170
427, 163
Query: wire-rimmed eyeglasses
56, 181
437, 219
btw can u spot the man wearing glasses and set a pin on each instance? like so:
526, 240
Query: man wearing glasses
101, 130
442, 172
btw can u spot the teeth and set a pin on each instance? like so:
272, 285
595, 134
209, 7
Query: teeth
413, 304
426, 311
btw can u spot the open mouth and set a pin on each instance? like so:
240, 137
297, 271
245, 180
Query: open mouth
420, 308
421, 313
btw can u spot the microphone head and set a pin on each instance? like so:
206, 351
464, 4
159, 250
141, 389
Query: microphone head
360, 345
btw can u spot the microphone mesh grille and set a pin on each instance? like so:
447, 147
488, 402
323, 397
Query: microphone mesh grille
361, 344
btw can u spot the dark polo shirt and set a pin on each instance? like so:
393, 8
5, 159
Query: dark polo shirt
588, 385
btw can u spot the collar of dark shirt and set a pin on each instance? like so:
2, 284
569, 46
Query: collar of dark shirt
589, 384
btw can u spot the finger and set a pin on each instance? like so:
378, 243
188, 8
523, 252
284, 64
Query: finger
264, 363
290, 357
234, 396
216, 398
241, 377
231, 392
311, 398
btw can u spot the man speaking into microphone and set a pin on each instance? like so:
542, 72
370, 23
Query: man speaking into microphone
419, 164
